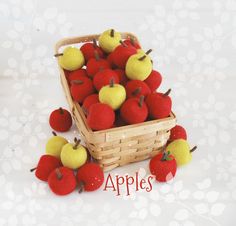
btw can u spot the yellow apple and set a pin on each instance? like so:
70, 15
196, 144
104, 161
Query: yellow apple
55, 144
181, 151
113, 95
71, 59
73, 155
109, 40
139, 66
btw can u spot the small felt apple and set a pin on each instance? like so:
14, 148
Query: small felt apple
153, 80
71, 58
100, 116
103, 78
89, 101
139, 66
62, 181
76, 75
88, 49
96, 64
181, 150
177, 132
46, 164
55, 144
90, 177
132, 42
74, 155
109, 40
113, 94
60, 120
137, 88
122, 76
163, 166
159, 105
121, 54
134, 110
81, 88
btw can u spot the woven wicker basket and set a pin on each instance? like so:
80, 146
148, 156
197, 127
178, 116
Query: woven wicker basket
122, 145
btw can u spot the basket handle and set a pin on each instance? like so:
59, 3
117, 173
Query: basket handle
81, 39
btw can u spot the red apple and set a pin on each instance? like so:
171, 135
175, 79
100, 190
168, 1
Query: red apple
60, 120
81, 88
159, 105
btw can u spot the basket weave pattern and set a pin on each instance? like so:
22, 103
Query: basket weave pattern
122, 145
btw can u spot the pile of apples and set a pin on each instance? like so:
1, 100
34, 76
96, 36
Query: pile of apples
66, 165
116, 85
114, 82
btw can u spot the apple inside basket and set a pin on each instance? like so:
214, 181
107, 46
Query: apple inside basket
123, 144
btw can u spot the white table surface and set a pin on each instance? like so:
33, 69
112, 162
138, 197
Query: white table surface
194, 46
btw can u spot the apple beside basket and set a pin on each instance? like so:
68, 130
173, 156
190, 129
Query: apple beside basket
121, 145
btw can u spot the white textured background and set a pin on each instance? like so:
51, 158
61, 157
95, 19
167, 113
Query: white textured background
194, 46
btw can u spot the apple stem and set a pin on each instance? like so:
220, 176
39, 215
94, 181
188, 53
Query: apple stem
96, 55
81, 187
193, 149
58, 54
54, 133
112, 33
141, 99
101, 68
144, 56
165, 156
33, 169
136, 91
77, 142
95, 43
149, 51
123, 44
58, 173
77, 82
61, 111
167, 92
112, 82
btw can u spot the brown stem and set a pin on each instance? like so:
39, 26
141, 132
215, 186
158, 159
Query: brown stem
163, 158
136, 91
149, 51
58, 173
96, 55
112, 33
112, 82
33, 169
193, 149
58, 54
95, 43
145, 55
141, 99
81, 187
167, 92
78, 82
101, 68
54, 133
123, 44
61, 111
77, 142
